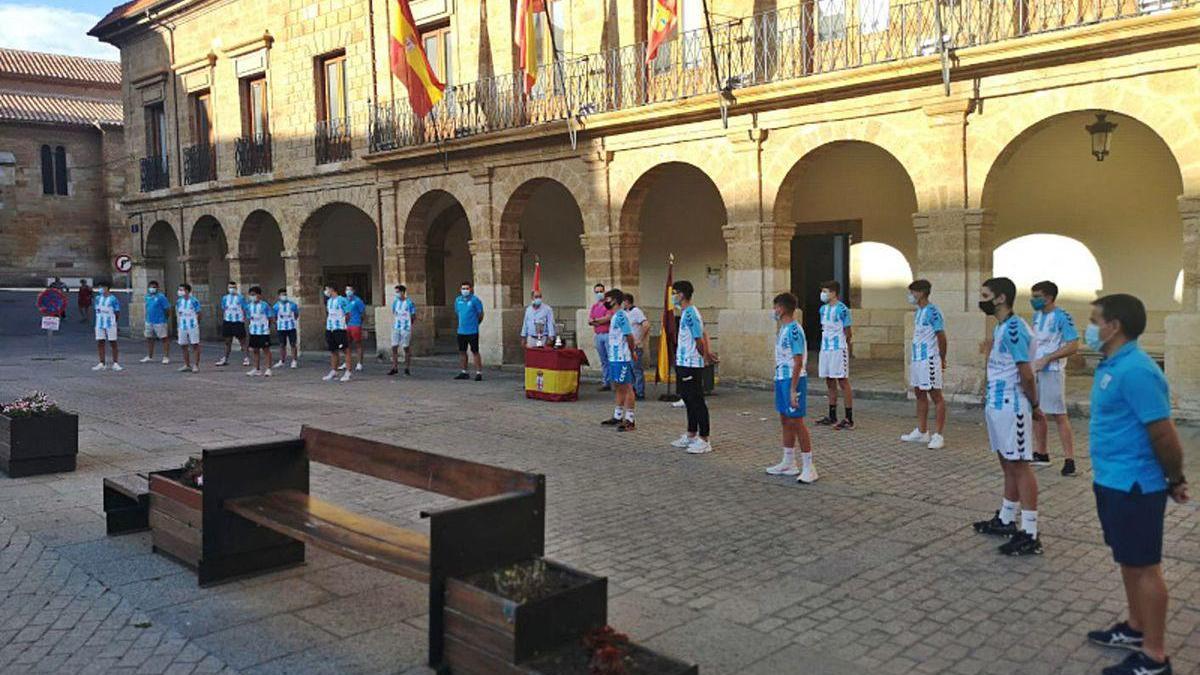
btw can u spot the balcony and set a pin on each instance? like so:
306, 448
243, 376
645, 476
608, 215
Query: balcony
772, 46
155, 174
199, 164
331, 139
253, 154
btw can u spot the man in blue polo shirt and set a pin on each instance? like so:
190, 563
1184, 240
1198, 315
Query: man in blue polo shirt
158, 310
1137, 462
469, 309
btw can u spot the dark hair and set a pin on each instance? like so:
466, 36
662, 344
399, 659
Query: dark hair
467, 283
615, 294
104, 282
257, 290
684, 288
231, 282
598, 284
282, 290
152, 283
629, 299
786, 301
186, 287
331, 287
832, 286
1124, 308
1003, 286
921, 286
402, 288
1046, 288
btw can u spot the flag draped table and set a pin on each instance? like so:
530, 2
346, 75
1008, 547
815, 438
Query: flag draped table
553, 374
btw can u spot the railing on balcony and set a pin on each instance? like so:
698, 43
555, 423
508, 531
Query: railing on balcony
771, 46
155, 174
253, 154
199, 163
332, 140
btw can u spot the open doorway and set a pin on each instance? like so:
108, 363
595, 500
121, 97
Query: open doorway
817, 258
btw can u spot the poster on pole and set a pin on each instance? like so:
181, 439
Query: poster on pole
50, 323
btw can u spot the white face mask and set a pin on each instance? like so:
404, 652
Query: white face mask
912, 299
465, 292
825, 296
328, 293
349, 292
152, 290
253, 298
232, 290
599, 296
283, 297
181, 293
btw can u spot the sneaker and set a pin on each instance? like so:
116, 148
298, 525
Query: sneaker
462, 376
293, 364
699, 446
1139, 664
627, 426
1041, 459
278, 364
195, 369
678, 404
341, 366
253, 373
844, 425
99, 366
358, 366
808, 476
479, 377
345, 377
407, 371
245, 360
166, 361
222, 362
330, 375
827, 421
267, 372
610, 422
184, 369
1021, 544
996, 527
117, 367
916, 436
393, 371
936, 442
782, 469
1068, 467
146, 359
1120, 636
682, 442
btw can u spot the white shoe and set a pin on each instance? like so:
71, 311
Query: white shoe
184, 369
246, 361
341, 366
99, 366
699, 446
146, 359
267, 372
809, 475
253, 373
293, 363
330, 375
358, 366
682, 442
345, 377
916, 436
936, 442
195, 369
166, 360
278, 364
117, 367
679, 404
223, 361
782, 469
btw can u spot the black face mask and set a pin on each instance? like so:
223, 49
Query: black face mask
987, 307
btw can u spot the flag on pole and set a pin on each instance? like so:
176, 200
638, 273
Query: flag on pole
410, 63
526, 39
661, 23
537, 276
666, 339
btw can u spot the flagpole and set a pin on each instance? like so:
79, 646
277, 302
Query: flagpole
712, 50
553, 47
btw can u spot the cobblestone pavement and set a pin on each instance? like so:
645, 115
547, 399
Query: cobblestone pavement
871, 570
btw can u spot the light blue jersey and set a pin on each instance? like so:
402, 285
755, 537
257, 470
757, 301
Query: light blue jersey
618, 329
233, 305
157, 306
927, 323
691, 331
1052, 330
403, 312
336, 309
835, 319
788, 345
260, 314
357, 309
1010, 346
286, 314
107, 307
187, 313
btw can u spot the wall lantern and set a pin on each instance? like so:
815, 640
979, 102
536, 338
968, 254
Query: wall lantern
1101, 131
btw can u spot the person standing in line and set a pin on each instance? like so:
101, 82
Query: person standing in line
1137, 462
84, 301
599, 317
233, 323
108, 314
691, 354
259, 314
641, 329
469, 310
336, 310
927, 362
354, 327
287, 317
1056, 339
158, 313
791, 390
187, 317
538, 327
836, 350
1010, 407
404, 313
621, 363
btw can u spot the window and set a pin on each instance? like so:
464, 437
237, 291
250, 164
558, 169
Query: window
831, 19
558, 22
202, 131
439, 46
331, 84
688, 49
254, 108
872, 16
47, 170
54, 170
156, 131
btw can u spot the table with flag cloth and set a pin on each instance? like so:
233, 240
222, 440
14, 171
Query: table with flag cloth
553, 374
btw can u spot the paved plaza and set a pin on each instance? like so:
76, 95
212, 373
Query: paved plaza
873, 569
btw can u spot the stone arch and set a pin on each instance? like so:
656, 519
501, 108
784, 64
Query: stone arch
338, 243
1026, 260
545, 215
207, 266
437, 257
260, 251
161, 253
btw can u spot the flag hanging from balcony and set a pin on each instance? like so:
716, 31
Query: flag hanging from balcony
526, 39
666, 339
410, 63
661, 23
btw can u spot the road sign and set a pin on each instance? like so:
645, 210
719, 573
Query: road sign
50, 323
123, 263
51, 302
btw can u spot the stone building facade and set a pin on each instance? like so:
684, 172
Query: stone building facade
867, 141
62, 155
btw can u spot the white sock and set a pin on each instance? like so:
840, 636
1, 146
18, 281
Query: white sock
789, 457
806, 459
629, 414
618, 413
1029, 522
1008, 511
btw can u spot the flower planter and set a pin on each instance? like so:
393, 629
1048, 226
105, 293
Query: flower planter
635, 660
39, 444
176, 517
488, 632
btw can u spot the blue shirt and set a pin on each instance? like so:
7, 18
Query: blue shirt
157, 306
260, 314
357, 307
1129, 391
1010, 347
286, 312
234, 306
468, 308
187, 312
403, 312
927, 323
107, 307
618, 329
336, 309
691, 332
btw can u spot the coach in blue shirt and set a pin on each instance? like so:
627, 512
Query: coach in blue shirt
469, 309
1137, 462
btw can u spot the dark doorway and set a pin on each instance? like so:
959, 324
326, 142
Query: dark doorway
358, 276
817, 258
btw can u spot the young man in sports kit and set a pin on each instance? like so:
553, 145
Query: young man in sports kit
692, 352
158, 312
791, 390
337, 309
259, 314
108, 315
187, 318
621, 361
354, 328
287, 322
1056, 339
834, 362
404, 312
927, 361
233, 323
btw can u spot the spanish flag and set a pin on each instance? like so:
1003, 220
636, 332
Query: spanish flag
410, 63
661, 24
526, 39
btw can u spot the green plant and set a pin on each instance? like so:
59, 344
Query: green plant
521, 581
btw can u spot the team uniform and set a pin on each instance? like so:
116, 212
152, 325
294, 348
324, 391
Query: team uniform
354, 320
1051, 331
260, 314
233, 308
403, 311
834, 361
106, 308
687, 346
620, 358
157, 306
187, 319
336, 309
1008, 412
925, 361
287, 314
789, 344
468, 308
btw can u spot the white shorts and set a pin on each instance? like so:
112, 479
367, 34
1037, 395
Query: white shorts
925, 374
156, 330
834, 363
1052, 395
401, 338
106, 334
1010, 431
189, 336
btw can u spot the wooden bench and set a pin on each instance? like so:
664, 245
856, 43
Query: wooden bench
258, 514
127, 503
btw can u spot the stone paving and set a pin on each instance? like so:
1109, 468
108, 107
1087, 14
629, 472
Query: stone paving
871, 570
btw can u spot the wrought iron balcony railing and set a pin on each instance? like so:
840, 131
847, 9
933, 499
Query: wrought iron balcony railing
253, 154
154, 174
771, 46
199, 163
332, 140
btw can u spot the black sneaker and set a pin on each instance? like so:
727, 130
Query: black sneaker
1040, 459
1120, 636
611, 422
1068, 467
844, 425
1022, 544
627, 426
827, 421
479, 377
996, 527
393, 371
407, 371
462, 376
1138, 663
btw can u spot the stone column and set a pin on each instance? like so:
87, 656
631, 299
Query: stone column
303, 273
243, 270
497, 264
389, 272
1182, 351
746, 330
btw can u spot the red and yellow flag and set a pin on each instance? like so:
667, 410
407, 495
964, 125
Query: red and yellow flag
410, 63
662, 21
667, 338
526, 39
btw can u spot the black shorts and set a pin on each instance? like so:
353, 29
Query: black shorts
286, 337
336, 340
471, 341
1132, 523
233, 329
260, 341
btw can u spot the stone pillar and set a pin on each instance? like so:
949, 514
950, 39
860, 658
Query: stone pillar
243, 270
746, 329
1182, 351
303, 273
497, 264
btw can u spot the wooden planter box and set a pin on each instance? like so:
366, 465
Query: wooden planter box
35, 445
176, 517
488, 633
638, 660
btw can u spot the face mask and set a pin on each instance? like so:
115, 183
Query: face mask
1091, 337
987, 307
1038, 303
254, 298
232, 290
599, 296
349, 292
912, 299
824, 296
465, 292
180, 293
328, 293
775, 316
152, 290
282, 297
677, 300
537, 302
